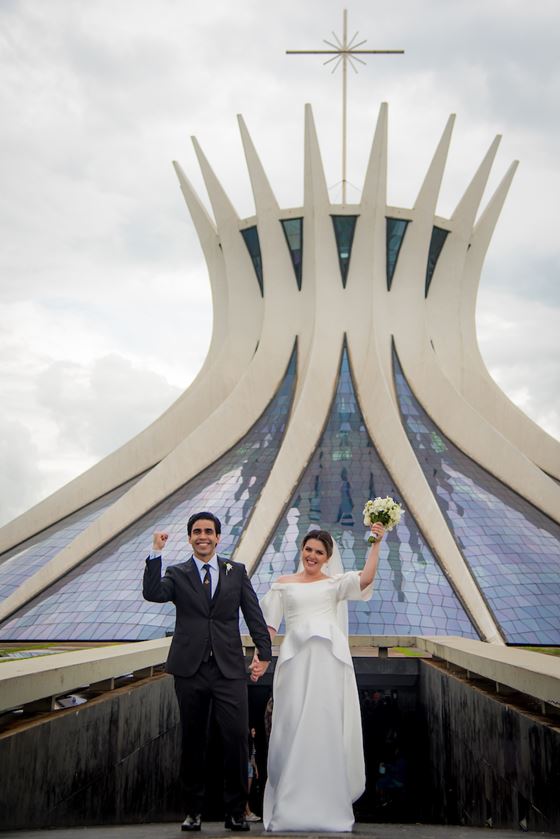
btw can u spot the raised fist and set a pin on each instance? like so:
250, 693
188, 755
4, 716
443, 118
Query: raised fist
159, 540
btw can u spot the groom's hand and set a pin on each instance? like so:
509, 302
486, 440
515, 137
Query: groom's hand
159, 540
258, 668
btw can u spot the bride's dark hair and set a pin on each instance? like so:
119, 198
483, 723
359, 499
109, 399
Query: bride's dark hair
322, 536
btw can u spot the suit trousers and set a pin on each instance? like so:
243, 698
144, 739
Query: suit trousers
197, 696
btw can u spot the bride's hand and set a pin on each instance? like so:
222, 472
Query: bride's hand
254, 667
378, 531
258, 668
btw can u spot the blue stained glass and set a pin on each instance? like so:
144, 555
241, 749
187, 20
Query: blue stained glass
22, 562
293, 231
343, 473
251, 238
344, 227
511, 548
439, 235
105, 591
395, 230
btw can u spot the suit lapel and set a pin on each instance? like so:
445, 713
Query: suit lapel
192, 573
223, 575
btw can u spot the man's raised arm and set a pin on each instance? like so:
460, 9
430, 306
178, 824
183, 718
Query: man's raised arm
156, 588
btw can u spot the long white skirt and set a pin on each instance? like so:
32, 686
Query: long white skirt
315, 759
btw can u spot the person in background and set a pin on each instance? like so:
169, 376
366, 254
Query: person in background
253, 775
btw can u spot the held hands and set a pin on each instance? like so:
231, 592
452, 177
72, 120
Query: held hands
257, 667
159, 540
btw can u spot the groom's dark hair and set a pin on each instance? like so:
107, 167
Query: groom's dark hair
322, 536
204, 515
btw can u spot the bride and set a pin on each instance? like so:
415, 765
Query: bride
315, 760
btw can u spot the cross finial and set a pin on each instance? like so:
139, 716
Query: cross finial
344, 52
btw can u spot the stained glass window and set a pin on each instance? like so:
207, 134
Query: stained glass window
344, 227
439, 235
22, 562
293, 231
395, 230
412, 595
101, 599
512, 549
251, 237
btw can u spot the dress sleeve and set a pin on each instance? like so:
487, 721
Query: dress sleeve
348, 587
273, 607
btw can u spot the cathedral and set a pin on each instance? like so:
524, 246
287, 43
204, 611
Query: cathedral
343, 365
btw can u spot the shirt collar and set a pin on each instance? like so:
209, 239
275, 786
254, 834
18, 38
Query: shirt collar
212, 562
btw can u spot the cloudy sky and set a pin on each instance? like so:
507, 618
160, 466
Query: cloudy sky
105, 306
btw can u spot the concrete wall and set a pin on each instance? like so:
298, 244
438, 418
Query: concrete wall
463, 756
116, 759
489, 763
110, 761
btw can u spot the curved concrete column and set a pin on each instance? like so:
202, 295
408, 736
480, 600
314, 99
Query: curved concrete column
428, 374
323, 300
472, 378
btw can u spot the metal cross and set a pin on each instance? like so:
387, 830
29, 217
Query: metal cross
345, 52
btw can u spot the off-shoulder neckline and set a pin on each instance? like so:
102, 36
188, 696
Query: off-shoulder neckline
294, 583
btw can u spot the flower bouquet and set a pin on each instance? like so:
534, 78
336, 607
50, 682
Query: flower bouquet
384, 510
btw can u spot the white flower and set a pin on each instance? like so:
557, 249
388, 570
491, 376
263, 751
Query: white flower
384, 510
229, 566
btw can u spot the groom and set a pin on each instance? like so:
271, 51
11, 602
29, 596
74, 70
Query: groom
206, 659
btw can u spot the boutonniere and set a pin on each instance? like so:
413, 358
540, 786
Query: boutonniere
229, 566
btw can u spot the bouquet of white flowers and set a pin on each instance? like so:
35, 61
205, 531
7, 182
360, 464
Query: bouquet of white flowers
384, 510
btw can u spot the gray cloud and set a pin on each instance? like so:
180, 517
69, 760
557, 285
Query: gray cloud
21, 478
99, 407
532, 276
519, 342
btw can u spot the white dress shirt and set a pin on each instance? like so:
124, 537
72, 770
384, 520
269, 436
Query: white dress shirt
212, 562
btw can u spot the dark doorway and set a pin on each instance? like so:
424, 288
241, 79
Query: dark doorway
392, 747
390, 728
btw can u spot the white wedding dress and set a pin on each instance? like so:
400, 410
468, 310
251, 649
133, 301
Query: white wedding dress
315, 759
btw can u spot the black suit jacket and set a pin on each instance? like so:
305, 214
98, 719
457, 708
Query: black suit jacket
199, 621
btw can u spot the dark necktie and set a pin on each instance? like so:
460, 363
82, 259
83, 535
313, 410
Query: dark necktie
207, 582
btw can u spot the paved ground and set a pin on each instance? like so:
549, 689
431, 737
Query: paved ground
211, 830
